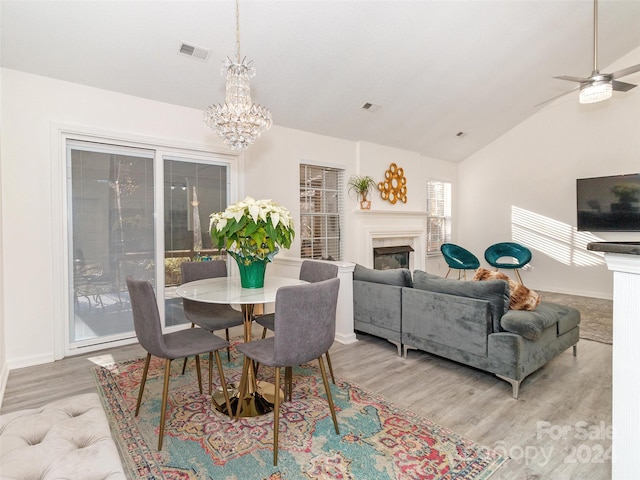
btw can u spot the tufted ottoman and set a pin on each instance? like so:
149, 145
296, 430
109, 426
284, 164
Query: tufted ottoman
65, 439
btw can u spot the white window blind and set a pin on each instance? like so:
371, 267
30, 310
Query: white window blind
438, 215
321, 212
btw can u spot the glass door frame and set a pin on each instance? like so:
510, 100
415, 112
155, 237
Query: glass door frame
60, 222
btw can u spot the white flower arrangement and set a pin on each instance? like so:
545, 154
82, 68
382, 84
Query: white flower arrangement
252, 229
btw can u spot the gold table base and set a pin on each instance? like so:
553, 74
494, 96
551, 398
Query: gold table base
254, 404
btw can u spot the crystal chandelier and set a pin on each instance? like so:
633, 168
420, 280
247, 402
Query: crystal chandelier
596, 91
238, 121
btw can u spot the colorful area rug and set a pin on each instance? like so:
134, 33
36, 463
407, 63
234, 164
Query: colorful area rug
378, 440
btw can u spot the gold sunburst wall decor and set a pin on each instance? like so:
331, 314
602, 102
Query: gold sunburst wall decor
394, 187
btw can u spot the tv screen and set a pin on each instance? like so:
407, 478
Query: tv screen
609, 204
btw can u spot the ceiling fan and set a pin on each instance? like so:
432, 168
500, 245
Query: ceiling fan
598, 86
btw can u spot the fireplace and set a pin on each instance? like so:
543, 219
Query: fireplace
385, 258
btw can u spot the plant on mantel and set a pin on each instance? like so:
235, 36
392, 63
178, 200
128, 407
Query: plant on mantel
361, 186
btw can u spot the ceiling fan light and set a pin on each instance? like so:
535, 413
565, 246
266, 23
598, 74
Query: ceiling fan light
596, 91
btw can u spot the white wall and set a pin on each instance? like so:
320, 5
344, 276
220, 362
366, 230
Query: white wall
522, 186
4, 369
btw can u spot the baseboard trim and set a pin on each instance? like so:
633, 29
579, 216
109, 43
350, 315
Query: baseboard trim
4, 377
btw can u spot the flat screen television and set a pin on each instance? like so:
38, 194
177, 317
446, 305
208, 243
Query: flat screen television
609, 204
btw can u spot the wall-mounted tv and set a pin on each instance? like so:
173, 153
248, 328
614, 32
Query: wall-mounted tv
609, 204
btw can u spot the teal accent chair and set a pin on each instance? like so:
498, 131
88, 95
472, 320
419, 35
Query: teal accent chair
458, 258
509, 256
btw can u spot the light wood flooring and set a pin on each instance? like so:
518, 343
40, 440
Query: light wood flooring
559, 428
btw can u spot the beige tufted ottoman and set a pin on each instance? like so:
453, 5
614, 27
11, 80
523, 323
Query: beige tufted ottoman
65, 439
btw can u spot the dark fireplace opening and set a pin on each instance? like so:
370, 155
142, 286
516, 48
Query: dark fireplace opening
385, 258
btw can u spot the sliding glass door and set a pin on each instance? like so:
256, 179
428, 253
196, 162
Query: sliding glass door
192, 191
124, 204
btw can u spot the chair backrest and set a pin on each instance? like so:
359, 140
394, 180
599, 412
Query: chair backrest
146, 318
457, 257
305, 321
192, 271
508, 249
313, 272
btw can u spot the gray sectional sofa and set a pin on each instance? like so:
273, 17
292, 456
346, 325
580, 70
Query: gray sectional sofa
465, 321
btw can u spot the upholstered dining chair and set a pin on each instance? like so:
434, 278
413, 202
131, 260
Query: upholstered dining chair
297, 339
458, 258
180, 344
310, 271
209, 316
508, 255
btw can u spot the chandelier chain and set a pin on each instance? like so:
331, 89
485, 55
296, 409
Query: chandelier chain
238, 30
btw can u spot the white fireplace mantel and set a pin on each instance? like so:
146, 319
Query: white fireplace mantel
372, 225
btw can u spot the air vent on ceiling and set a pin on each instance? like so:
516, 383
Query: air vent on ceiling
194, 51
370, 107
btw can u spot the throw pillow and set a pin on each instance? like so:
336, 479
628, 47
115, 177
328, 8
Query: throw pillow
521, 297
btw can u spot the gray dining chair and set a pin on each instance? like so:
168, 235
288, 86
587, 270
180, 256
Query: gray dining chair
180, 344
297, 339
210, 316
310, 271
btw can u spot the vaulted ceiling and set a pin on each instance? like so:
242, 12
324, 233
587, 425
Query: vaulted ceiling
434, 68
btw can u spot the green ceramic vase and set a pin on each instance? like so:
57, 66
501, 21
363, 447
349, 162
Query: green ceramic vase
251, 274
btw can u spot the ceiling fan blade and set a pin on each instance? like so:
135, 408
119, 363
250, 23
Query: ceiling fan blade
556, 97
569, 78
622, 86
625, 71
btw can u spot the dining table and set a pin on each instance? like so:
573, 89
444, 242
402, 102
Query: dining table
228, 290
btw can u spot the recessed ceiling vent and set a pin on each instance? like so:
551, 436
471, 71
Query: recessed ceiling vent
194, 51
370, 107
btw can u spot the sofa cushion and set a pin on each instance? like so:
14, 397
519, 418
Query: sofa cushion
398, 277
531, 324
496, 292
522, 298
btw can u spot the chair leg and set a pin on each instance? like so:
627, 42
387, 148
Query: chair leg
199, 372
288, 383
242, 389
448, 272
163, 408
329, 398
518, 275
333, 378
211, 372
264, 332
276, 417
184, 365
226, 331
223, 382
142, 382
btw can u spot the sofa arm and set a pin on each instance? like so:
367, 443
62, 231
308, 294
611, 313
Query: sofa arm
377, 309
531, 324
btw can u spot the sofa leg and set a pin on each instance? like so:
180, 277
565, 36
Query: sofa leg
515, 384
575, 350
407, 348
398, 346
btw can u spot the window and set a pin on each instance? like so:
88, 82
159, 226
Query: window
438, 215
320, 212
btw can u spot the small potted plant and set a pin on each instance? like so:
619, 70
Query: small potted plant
362, 185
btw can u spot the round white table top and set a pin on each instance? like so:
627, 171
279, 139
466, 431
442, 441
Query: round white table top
228, 290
